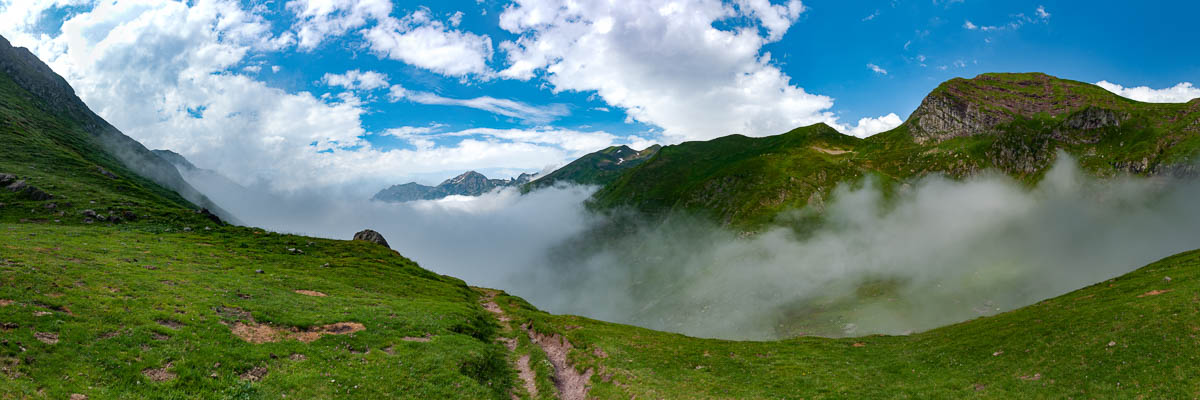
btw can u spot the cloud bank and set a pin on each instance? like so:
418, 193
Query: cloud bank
1180, 93
940, 252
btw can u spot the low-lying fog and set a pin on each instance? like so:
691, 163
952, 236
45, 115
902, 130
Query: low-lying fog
943, 252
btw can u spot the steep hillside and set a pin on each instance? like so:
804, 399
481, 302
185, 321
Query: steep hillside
1014, 123
39, 106
84, 183
597, 168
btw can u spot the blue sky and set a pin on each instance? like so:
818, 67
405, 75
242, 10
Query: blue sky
312, 93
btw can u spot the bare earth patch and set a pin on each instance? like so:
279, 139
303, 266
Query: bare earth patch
527, 376
340, 328
159, 374
311, 293
46, 337
262, 333
523, 370
254, 374
1155, 293
421, 339
5, 302
571, 384
829, 151
255, 333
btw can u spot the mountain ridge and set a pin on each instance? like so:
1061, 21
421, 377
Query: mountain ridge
469, 183
596, 168
1013, 123
55, 96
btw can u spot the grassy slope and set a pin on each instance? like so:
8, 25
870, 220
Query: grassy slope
746, 182
58, 156
114, 318
94, 282
598, 168
110, 292
1104, 341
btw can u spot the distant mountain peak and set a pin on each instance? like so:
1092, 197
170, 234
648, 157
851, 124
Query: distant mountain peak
174, 158
470, 183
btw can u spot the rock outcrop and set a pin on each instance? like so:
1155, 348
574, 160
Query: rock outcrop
943, 116
966, 107
1095, 118
368, 235
17, 185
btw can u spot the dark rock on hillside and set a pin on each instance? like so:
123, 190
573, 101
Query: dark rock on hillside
211, 217
105, 172
6, 179
470, 183
368, 235
29, 191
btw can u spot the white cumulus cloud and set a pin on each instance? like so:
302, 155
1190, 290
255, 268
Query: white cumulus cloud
1180, 93
356, 80
666, 63
870, 126
167, 73
420, 40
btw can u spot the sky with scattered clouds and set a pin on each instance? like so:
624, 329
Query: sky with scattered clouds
304, 94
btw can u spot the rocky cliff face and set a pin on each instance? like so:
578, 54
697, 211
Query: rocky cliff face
55, 96
1095, 118
966, 107
942, 116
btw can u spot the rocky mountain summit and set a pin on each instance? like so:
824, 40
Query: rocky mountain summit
470, 183
964, 107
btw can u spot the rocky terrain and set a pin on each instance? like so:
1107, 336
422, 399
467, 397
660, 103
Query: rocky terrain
470, 183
